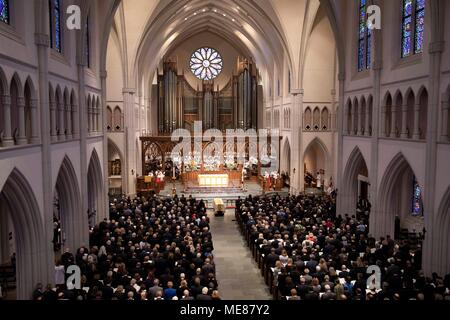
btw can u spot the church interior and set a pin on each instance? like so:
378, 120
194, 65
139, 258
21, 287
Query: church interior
185, 150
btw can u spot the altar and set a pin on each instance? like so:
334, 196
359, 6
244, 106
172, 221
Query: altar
213, 180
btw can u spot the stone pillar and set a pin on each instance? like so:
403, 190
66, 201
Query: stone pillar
297, 181
22, 139
46, 258
7, 134
34, 122
61, 113
432, 244
103, 206
81, 228
404, 132
416, 132
130, 137
393, 121
68, 115
53, 121
445, 124
340, 129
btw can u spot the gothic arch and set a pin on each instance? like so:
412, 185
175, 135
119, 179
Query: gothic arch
324, 116
410, 103
16, 94
308, 119
322, 159
95, 187
286, 157
30, 98
391, 202
387, 104
362, 115
356, 165
348, 116
73, 221
17, 197
114, 150
355, 116
441, 236
422, 101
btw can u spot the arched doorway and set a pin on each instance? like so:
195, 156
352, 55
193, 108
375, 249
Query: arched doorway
95, 186
316, 160
115, 170
285, 162
400, 210
25, 238
67, 213
355, 182
440, 261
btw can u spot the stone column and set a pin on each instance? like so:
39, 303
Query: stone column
61, 113
404, 132
34, 122
297, 181
416, 132
22, 139
343, 110
46, 257
8, 140
432, 244
445, 124
130, 144
103, 206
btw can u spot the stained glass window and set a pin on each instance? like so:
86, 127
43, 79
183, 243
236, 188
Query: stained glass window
55, 24
417, 205
206, 63
413, 25
364, 38
4, 11
87, 43
278, 88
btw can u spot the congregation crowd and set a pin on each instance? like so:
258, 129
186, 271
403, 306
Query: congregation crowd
149, 249
161, 249
314, 254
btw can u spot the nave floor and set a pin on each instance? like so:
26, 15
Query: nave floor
236, 271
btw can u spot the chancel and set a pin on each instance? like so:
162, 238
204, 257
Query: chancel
237, 150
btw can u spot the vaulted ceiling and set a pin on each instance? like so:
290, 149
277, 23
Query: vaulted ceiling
273, 32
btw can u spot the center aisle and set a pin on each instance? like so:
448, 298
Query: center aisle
236, 271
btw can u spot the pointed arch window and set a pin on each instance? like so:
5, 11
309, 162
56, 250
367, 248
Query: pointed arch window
55, 24
87, 44
413, 26
4, 11
364, 38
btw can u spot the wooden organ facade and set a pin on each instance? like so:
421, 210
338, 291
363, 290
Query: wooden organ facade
234, 106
